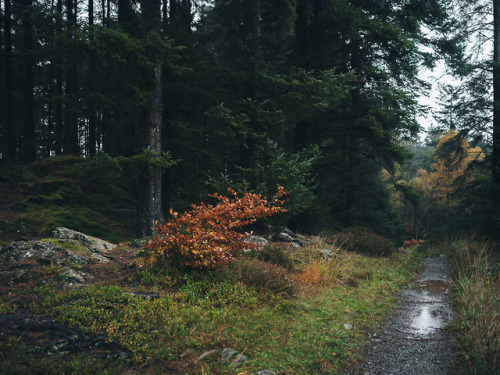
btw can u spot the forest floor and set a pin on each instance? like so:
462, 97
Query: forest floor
66, 309
415, 341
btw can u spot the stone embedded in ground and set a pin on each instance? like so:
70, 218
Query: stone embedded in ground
348, 326
327, 254
187, 352
100, 258
42, 335
257, 240
284, 236
227, 354
265, 372
208, 353
44, 252
240, 359
95, 243
75, 276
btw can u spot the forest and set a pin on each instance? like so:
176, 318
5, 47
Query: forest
319, 97
266, 174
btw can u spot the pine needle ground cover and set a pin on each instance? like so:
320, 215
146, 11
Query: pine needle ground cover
166, 318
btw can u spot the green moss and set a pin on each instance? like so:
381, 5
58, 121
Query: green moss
71, 245
94, 196
80, 219
6, 307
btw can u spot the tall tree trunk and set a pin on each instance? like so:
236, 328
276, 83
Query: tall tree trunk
251, 23
108, 12
91, 141
496, 93
70, 134
2, 79
150, 204
164, 21
58, 110
127, 17
28, 144
9, 138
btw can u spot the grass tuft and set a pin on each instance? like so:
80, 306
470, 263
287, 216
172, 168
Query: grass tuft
477, 306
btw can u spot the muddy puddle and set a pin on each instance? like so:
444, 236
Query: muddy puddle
429, 311
433, 287
429, 319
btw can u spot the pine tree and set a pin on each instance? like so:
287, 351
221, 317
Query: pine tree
150, 203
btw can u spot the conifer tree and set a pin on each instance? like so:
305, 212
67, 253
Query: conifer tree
150, 197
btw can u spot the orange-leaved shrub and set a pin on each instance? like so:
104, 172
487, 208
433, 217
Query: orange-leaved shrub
206, 237
365, 241
413, 243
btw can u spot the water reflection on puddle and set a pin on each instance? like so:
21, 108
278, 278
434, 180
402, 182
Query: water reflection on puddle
432, 314
433, 287
428, 320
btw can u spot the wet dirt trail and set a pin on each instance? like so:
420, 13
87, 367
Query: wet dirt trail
413, 341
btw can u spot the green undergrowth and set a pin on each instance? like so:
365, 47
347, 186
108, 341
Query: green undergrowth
318, 325
476, 303
16, 358
93, 196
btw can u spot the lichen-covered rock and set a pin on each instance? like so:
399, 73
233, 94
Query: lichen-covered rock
257, 240
232, 356
44, 252
284, 236
75, 276
207, 354
227, 354
96, 245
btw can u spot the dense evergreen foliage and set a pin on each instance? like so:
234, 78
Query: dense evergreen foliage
317, 96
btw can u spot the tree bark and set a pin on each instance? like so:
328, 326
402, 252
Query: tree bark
91, 141
496, 93
9, 149
70, 134
150, 203
58, 110
2, 80
28, 144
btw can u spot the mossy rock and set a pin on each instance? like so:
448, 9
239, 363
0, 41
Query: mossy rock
82, 220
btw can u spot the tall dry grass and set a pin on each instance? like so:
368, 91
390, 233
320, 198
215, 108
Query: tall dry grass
477, 300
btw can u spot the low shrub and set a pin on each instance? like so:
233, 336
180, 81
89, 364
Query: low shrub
276, 255
262, 275
365, 241
413, 243
206, 236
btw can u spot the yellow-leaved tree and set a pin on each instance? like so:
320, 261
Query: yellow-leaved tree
452, 167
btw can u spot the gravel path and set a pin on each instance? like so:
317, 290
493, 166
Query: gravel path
414, 342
